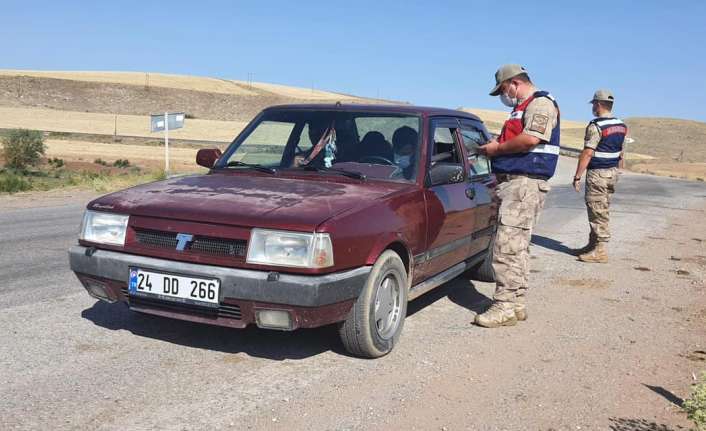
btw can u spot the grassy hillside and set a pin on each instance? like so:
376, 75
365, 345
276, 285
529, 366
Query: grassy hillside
669, 139
182, 82
678, 147
662, 146
101, 103
106, 124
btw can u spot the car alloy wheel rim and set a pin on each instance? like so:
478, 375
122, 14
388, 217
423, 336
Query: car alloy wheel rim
388, 303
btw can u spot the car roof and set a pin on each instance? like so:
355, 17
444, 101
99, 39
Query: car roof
380, 108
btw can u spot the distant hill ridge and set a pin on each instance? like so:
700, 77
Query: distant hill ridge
91, 102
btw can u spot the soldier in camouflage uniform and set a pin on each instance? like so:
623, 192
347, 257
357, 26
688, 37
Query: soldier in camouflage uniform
601, 157
523, 159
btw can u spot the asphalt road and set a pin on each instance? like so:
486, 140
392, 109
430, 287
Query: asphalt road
70, 362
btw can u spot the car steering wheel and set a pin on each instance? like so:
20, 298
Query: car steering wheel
373, 159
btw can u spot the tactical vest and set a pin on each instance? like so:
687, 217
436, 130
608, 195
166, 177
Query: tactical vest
539, 161
610, 147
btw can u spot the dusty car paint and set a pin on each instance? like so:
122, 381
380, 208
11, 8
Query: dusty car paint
431, 228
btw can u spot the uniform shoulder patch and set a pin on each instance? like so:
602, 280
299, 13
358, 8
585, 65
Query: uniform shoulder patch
539, 123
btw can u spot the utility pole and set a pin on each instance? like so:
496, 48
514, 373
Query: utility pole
166, 143
115, 129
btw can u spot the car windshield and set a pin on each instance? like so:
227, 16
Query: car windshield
376, 145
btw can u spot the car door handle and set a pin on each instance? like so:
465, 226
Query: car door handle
471, 193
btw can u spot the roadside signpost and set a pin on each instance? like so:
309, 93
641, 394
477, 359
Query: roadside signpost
166, 122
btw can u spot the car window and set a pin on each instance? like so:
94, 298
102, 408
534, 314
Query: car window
444, 147
265, 144
472, 139
378, 145
383, 125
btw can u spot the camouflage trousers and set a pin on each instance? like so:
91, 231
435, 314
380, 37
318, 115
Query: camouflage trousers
600, 185
522, 200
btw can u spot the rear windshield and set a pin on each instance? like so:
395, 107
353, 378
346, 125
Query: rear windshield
383, 146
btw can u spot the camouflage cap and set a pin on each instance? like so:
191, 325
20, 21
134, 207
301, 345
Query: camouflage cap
602, 96
506, 71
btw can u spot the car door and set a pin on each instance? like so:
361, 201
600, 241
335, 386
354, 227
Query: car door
474, 134
449, 203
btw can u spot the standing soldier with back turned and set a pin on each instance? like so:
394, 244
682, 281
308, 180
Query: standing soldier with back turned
602, 155
523, 158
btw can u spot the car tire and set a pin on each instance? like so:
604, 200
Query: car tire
375, 322
484, 271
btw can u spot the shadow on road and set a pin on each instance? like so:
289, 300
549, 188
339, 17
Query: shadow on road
625, 424
252, 341
460, 291
551, 244
666, 394
261, 343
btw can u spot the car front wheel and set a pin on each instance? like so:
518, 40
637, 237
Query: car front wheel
375, 322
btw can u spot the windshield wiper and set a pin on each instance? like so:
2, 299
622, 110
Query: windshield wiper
256, 166
349, 174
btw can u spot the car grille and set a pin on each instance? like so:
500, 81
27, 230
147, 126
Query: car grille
227, 311
200, 244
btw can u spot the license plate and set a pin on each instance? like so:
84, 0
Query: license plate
173, 287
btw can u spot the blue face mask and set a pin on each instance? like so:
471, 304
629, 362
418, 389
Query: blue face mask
403, 161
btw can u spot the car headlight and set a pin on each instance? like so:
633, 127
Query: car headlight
282, 248
104, 228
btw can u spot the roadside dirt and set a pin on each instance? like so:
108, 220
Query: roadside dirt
605, 347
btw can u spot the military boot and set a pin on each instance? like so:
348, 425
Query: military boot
520, 312
499, 314
597, 255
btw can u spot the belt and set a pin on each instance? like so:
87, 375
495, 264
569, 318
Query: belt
508, 177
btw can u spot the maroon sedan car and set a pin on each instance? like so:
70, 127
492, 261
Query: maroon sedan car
314, 215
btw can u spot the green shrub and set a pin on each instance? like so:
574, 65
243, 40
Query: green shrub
12, 183
695, 406
23, 148
159, 175
101, 162
121, 163
56, 162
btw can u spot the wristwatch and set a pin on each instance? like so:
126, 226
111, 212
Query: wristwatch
577, 179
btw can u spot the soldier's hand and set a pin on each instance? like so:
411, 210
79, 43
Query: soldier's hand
489, 149
577, 185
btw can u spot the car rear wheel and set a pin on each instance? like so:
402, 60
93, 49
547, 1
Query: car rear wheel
484, 271
375, 322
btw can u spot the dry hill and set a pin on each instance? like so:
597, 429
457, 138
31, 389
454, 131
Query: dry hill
122, 93
663, 146
572, 132
103, 103
678, 147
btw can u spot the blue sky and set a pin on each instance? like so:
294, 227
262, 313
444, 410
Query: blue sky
652, 54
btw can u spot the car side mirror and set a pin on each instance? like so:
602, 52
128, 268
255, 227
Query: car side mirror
443, 173
206, 157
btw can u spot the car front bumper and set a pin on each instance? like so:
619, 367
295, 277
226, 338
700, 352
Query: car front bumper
311, 300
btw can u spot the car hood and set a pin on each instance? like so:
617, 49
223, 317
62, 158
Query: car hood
246, 200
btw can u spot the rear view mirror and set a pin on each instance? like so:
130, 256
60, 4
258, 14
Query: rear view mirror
207, 157
442, 173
